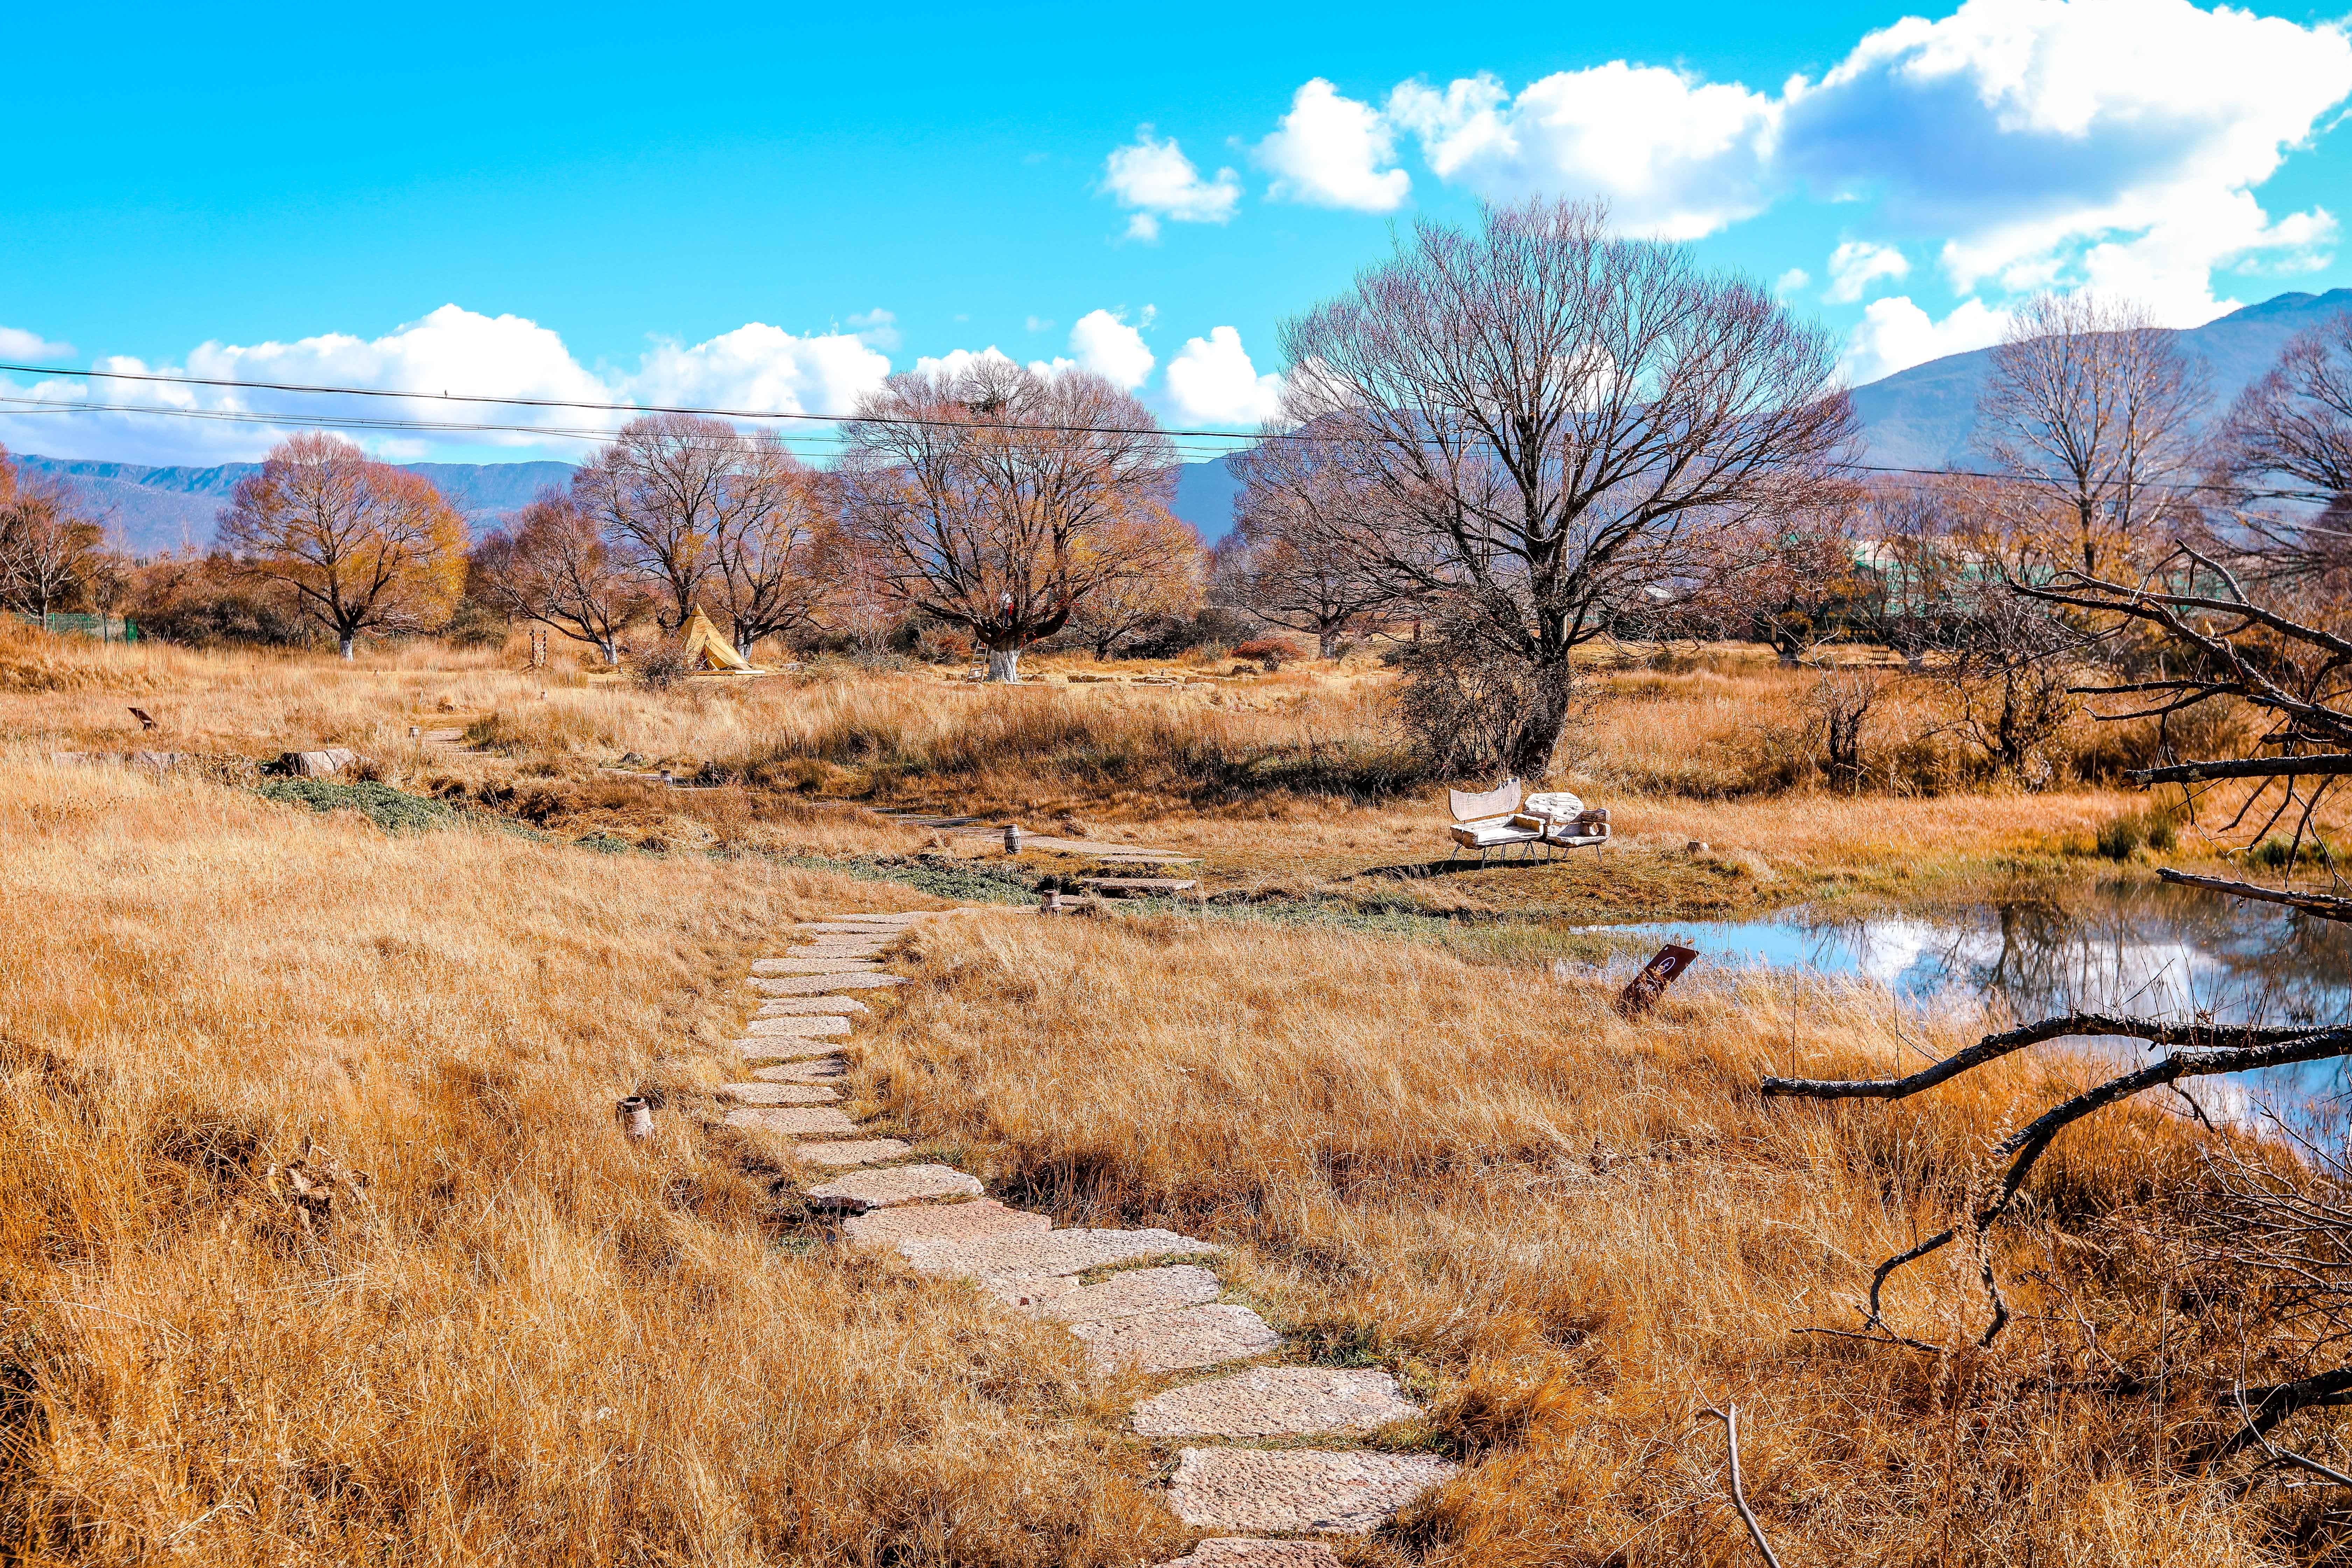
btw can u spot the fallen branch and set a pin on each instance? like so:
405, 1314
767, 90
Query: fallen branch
2240, 768
2193, 1056
1730, 1419
2277, 1455
2324, 905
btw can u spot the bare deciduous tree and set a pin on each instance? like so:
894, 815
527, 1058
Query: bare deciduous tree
1549, 417
1294, 560
2287, 448
555, 568
2094, 408
768, 544
49, 554
1163, 581
359, 545
995, 497
660, 493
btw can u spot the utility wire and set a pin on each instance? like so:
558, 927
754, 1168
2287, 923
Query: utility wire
301, 389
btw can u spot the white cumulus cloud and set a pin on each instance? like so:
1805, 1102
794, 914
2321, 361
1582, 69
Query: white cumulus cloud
1211, 381
19, 344
1111, 349
1333, 151
1895, 334
1855, 265
761, 368
1672, 155
1156, 179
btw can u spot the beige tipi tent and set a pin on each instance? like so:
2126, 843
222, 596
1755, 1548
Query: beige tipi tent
707, 653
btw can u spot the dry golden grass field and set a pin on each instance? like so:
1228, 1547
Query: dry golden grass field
509, 1337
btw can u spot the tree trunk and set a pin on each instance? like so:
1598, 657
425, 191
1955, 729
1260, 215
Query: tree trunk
610, 648
1327, 643
348, 638
1004, 664
1540, 727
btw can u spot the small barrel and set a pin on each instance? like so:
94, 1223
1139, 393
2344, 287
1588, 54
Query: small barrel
637, 1119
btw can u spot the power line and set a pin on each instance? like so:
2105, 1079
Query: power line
1181, 436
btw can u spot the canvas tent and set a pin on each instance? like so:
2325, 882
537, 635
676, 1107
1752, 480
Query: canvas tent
708, 653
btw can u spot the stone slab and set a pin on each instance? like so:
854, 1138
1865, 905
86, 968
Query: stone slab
899, 1185
982, 1219
816, 985
1248, 1552
781, 1093
795, 1122
811, 1007
783, 1048
789, 966
1300, 1489
905, 917
1178, 1340
826, 949
1274, 1402
805, 1026
1072, 1251
823, 1069
850, 928
852, 1151
1124, 1295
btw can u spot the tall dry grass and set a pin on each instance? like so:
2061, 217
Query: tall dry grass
1570, 1231
520, 1340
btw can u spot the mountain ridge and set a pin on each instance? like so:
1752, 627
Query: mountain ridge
1920, 417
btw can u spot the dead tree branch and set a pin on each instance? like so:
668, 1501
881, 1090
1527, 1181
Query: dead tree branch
2325, 905
2193, 1050
1729, 1416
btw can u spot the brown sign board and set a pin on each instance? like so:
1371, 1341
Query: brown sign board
1656, 976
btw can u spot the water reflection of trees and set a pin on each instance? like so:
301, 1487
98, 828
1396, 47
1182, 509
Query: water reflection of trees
2156, 950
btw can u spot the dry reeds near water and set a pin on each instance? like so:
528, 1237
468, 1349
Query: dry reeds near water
1573, 1231
480, 1328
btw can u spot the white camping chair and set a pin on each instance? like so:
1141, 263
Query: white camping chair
1565, 821
1489, 822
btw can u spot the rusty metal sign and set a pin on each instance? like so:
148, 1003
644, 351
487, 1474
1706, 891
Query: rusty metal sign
1656, 976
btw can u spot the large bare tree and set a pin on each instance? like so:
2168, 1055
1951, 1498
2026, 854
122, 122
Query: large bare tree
1552, 418
998, 499
1294, 559
49, 554
2286, 450
359, 545
2094, 408
1166, 569
769, 546
554, 567
658, 492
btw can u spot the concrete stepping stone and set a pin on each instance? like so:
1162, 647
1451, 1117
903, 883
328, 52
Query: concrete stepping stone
795, 1122
852, 1151
1124, 1295
1274, 1402
1072, 1251
982, 1219
907, 917
846, 928
899, 1185
863, 950
1248, 1551
1300, 1489
781, 1093
787, 966
784, 1048
1176, 1342
821, 1070
811, 1007
816, 985
805, 1026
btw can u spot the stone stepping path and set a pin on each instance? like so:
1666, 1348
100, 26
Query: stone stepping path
1143, 1303
798, 1006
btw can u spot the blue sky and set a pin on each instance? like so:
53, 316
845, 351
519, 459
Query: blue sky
772, 207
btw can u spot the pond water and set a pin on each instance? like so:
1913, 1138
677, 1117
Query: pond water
2152, 952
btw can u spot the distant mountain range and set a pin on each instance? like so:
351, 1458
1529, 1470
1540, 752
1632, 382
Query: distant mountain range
1924, 417
158, 510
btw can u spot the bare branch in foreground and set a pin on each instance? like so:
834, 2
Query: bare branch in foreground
2325, 905
2319, 763
2195, 1052
2278, 1455
1729, 1416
